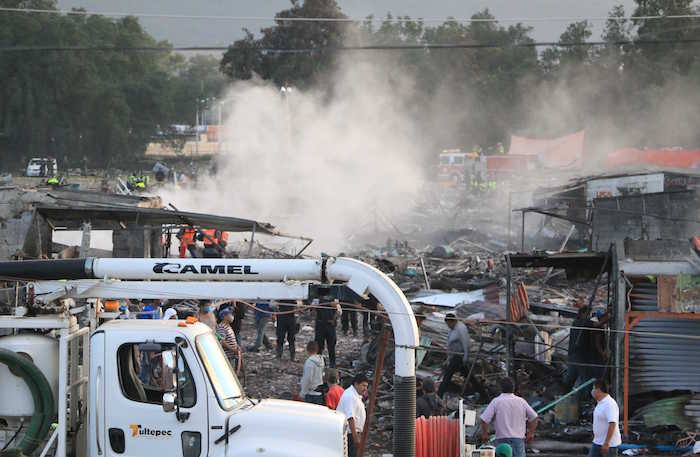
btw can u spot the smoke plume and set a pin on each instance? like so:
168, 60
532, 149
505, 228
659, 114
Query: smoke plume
319, 164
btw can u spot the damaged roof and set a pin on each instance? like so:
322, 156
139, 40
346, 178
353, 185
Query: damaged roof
110, 218
593, 261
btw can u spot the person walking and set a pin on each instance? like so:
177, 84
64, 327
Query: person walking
457, 351
324, 331
227, 338
512, 418
286, 327
312, 376
335, 391
263, 311
353, 407
606, 417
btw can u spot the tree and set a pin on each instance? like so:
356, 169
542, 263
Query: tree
101, 105
573, 49
670, 54
243, 59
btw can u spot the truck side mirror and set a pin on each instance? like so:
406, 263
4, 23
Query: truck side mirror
169, 400
169, 361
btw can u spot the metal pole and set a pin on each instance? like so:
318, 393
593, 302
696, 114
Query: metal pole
62, 391
510, 217
373, 395
509, 317
560, 399
522, 234
252, 240
425, 274
196, 127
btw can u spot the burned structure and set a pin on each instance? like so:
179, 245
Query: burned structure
140, 226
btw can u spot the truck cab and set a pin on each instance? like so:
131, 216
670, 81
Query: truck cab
165, 388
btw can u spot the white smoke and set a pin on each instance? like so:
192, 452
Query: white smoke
322, 165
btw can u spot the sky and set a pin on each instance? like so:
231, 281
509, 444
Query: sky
188, 32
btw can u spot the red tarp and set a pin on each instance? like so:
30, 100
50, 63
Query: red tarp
509, 164
675, 158
563, 152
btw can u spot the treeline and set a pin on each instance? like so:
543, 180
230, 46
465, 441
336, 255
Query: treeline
101, 105
637, 88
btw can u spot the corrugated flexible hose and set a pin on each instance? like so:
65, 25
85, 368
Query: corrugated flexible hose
404, 416
41, 394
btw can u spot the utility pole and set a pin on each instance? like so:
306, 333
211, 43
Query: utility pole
196, 130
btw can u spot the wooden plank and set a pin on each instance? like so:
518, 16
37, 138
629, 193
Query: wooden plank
666, 291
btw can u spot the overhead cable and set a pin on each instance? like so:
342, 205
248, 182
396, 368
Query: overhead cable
317, 50
396, 19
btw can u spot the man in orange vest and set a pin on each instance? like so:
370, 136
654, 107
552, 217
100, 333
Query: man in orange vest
210, 237
186, 237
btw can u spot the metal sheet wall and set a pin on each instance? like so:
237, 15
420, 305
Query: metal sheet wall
662, 362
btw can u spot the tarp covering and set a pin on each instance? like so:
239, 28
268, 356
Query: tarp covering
676, 158
562, 152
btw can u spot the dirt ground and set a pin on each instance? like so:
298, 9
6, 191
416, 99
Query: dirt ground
266, 377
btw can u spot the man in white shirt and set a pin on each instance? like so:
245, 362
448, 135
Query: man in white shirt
606, 417
353, 407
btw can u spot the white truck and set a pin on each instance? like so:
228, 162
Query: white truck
147, 388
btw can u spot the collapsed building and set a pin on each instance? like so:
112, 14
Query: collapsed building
140, 225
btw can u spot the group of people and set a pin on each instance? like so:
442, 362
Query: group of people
514, 422
327, 315
511, 417
214, 242
320, 386
137, 182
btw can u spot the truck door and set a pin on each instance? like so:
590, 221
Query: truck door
136, 379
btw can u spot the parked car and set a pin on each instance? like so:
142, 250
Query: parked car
43, 167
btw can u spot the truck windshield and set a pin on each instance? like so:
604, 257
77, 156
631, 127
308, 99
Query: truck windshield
228, 389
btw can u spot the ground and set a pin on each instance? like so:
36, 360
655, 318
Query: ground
266, 377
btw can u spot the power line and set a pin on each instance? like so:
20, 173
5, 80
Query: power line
385, 313
396, 19
318, 50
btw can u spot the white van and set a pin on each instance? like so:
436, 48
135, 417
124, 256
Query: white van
44, 167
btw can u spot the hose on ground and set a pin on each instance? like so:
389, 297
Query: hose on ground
41, 394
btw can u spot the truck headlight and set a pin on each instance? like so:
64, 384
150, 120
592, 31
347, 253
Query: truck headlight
191, 444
